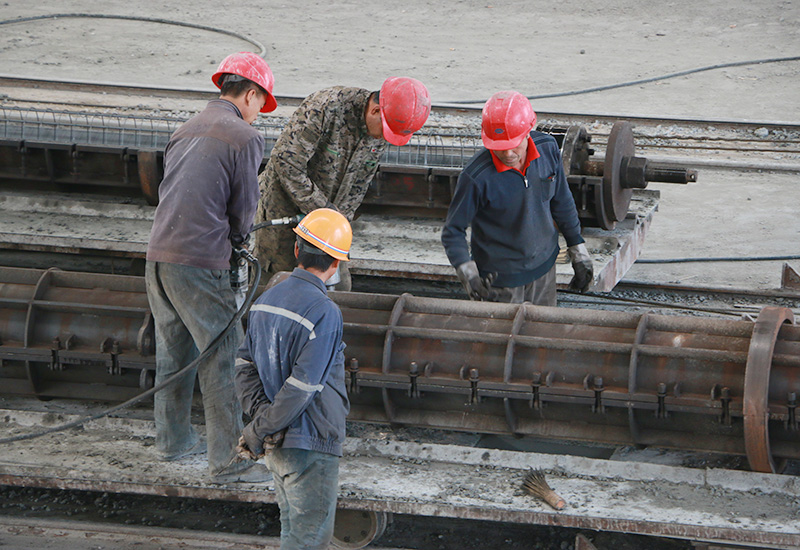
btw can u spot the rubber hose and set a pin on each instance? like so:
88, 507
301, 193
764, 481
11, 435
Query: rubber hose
721, 259
647, 80
256, 43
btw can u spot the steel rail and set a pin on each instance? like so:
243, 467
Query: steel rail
20, 530
205, 94
585, 375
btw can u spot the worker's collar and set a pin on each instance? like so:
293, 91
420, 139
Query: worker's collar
301, 273
531, 155
228, 104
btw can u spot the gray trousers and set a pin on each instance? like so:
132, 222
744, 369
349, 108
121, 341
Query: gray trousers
306, 488
541, 292
191, 306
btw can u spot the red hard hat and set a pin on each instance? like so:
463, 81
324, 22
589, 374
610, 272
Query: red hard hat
507, 119
252, 67
405, 106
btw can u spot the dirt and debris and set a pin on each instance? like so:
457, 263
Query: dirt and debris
415, 476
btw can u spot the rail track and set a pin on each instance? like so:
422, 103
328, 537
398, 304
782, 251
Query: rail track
761, 145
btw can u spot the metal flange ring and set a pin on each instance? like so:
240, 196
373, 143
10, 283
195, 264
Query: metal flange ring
756, 386
616, 198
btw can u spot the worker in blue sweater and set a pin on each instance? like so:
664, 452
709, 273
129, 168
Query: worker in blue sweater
515, 197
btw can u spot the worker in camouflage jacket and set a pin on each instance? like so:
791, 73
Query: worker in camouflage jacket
328, 154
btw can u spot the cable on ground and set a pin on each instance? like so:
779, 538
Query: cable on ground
262, 49
647, 80
719, 259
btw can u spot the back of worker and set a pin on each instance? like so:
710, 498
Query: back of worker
290, 381
206, 204
207, 201
280, 328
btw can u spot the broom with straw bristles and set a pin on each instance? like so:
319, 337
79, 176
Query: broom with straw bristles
535, 484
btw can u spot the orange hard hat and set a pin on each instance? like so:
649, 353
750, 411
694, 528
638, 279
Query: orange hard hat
507, 119
405, 106
252, 67
327, 230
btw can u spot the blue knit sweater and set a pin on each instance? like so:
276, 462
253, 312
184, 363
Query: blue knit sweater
513, 217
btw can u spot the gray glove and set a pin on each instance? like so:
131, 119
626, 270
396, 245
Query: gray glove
249, 441
582, 266
477, 288
253, 447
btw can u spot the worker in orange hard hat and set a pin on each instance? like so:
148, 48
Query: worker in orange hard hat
327, 155
290, 380
207, 200
515, 197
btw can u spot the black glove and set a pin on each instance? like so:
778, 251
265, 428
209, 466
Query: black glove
252, 442
582, 266
477, 288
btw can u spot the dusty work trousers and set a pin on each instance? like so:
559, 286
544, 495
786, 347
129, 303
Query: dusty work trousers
306, 488
191, 306
540, 292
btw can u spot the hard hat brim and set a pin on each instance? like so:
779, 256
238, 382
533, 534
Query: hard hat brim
270, 104
502, 144
392, 137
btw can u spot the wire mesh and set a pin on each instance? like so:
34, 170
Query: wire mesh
444, 147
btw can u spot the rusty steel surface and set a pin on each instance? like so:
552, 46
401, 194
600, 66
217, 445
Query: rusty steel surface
757, 386
63, 333
584, 375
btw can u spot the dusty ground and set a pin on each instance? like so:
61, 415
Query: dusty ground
412, 476
462, 50
470, 49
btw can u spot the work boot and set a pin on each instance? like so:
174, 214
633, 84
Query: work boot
257, 473
197, 449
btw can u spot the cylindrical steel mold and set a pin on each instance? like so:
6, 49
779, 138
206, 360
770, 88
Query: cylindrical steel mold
584, 375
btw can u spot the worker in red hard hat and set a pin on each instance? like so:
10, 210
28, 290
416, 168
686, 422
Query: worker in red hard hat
514, 195
207, 200
327, 155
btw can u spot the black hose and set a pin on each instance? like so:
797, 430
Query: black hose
278, 221
256, 43
654, 303
142, 396
647, 80
720, 259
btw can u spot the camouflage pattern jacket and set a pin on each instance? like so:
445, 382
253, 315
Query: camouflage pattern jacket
324, 157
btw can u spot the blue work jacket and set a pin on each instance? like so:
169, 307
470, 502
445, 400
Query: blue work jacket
290, 367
